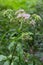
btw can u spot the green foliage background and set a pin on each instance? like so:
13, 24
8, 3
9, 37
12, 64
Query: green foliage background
16, 45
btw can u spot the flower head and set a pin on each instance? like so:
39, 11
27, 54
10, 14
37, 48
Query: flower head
23, 15
26, 16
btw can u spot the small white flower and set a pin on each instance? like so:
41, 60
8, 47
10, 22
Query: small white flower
32, 22
19, 15
19, 11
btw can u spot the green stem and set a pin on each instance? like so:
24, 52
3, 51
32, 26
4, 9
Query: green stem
33, 62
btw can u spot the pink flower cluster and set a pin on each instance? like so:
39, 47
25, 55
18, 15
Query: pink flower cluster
22, 14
